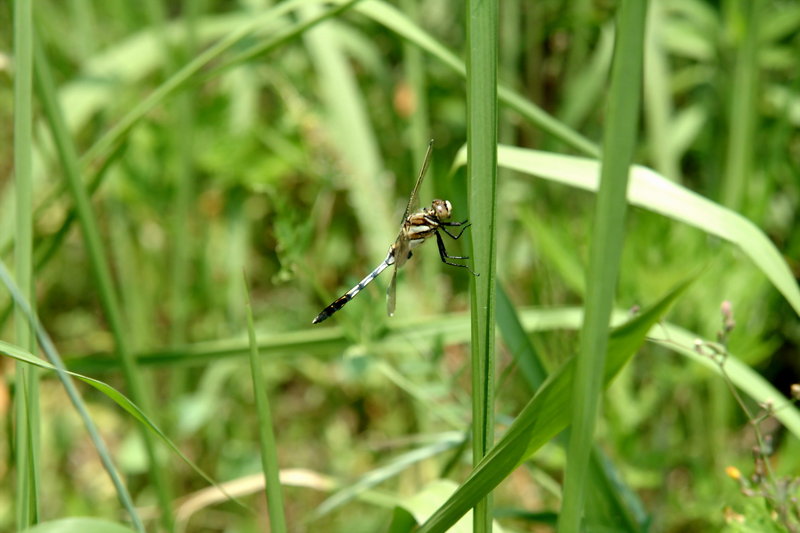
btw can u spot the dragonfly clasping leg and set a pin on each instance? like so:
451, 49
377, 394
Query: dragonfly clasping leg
443, 254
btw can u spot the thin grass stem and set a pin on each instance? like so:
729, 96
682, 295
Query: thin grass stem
267, 442
606, 249
482, 112
744, 91
26, 378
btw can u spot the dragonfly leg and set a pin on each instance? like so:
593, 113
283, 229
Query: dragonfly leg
463, 225
443, 254
455, 223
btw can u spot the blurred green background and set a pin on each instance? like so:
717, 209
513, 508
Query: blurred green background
221, 138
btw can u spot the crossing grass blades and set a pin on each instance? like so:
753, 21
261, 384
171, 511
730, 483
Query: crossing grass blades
417, 227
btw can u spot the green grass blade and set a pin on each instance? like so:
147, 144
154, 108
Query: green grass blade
321, 342
544, 417
394, 20
69, 161
758, 388
447, 329
619, 139
585, 94
552, 246
656, 193
613, 503
117, 397
744, 98
618, 502
517, 341
268, 444
658, 94
23, 162
63, 374
580, 14
482, 22
290, 32
26, 378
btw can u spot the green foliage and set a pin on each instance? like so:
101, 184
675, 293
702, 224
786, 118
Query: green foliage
167, 147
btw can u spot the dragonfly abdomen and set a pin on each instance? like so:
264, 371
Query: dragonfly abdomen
349, 295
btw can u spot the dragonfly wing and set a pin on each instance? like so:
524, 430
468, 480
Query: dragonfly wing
413, 199
391, 293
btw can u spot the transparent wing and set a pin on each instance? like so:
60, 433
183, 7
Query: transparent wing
413, 199
391, 293
400, 249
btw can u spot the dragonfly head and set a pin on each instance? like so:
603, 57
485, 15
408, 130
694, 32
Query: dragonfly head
442, 209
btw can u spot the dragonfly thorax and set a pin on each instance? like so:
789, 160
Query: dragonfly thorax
442, 209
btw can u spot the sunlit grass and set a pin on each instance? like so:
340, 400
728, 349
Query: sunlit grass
27, 442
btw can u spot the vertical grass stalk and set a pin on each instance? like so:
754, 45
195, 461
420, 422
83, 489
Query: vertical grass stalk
266, 433
26, 379
658, 95
744, 88
580, 14
619, 138
482, 17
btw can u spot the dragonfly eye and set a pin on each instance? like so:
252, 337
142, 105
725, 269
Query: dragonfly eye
442, 209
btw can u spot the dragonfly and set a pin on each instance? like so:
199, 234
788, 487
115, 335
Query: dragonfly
417, 225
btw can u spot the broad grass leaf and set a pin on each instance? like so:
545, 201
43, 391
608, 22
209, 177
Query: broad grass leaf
544, 417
